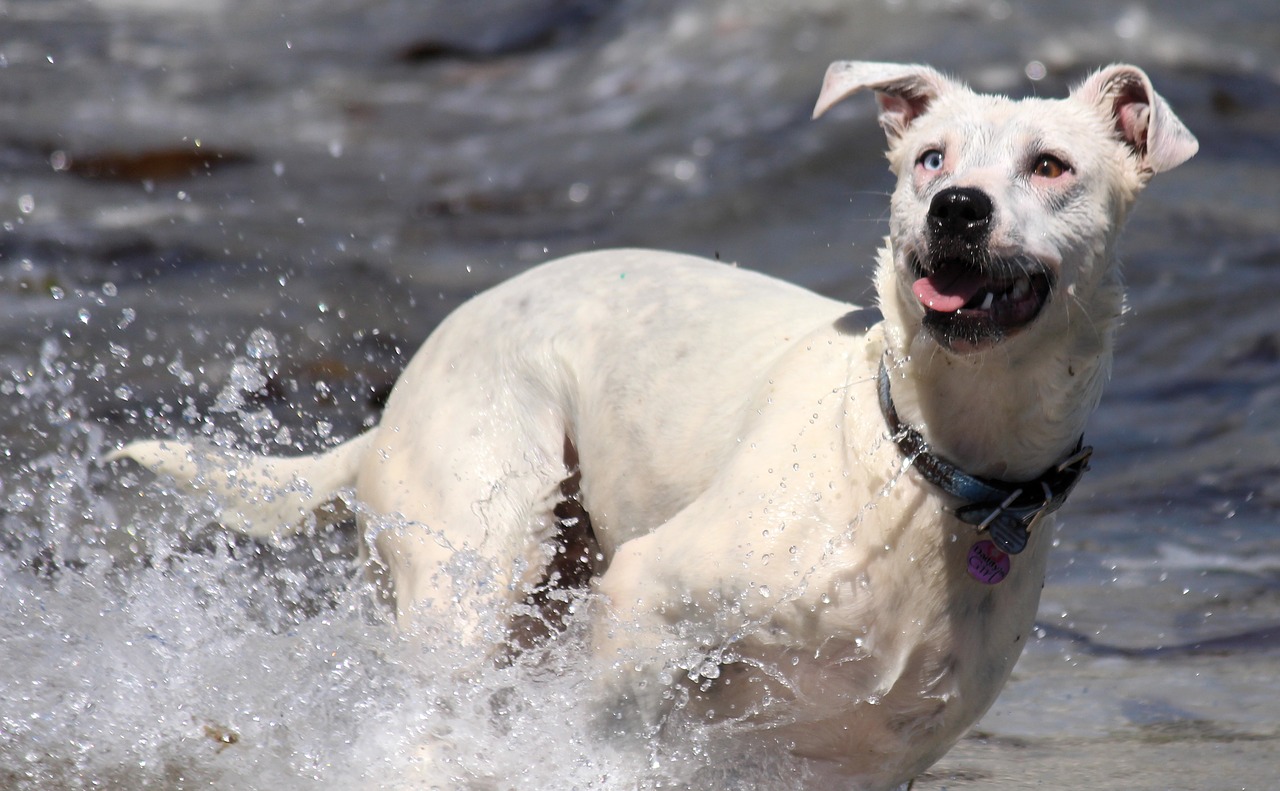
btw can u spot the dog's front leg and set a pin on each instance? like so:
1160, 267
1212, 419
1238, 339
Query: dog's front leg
671, 613
632, 638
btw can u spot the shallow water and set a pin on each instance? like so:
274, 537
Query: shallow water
242, 216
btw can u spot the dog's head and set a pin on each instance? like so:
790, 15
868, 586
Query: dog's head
1005, 211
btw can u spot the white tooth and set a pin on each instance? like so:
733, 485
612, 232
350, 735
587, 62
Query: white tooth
1020, 288
986, 303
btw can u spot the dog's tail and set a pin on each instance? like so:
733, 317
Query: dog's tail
262, 496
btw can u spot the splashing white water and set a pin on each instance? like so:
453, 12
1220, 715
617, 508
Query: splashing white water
143, 647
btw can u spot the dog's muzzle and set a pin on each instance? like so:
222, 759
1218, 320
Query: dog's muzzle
972, 299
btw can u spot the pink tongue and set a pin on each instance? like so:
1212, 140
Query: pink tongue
947, 290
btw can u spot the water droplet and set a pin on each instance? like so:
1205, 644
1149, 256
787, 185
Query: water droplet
176, 369
261, 345
21, 500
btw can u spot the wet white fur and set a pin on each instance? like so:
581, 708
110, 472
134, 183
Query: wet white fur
733, 454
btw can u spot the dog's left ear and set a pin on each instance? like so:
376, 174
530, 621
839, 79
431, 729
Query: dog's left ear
1142, 119
903, 91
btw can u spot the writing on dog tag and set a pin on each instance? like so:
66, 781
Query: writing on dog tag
988, 564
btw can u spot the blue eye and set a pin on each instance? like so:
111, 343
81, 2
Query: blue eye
931, 159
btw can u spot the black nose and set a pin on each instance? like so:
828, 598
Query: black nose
960, 213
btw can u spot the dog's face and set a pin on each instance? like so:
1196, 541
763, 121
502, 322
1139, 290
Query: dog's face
1005, 211
996, 208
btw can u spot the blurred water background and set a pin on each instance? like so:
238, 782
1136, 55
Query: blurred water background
242, 216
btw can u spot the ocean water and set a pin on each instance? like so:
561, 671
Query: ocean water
240, 217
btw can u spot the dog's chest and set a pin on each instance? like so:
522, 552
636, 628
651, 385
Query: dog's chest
881, 678
888, 648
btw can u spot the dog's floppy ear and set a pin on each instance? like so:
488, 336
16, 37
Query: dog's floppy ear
902, 91
1142, 119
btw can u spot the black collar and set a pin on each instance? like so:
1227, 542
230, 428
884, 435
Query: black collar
1006, 508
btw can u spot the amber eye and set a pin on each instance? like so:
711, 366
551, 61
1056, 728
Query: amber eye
1049, 167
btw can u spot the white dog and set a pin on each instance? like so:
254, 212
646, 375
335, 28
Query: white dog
837, 525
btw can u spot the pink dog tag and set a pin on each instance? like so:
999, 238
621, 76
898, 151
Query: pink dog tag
987, 563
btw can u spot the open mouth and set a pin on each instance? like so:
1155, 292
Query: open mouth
970, 304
